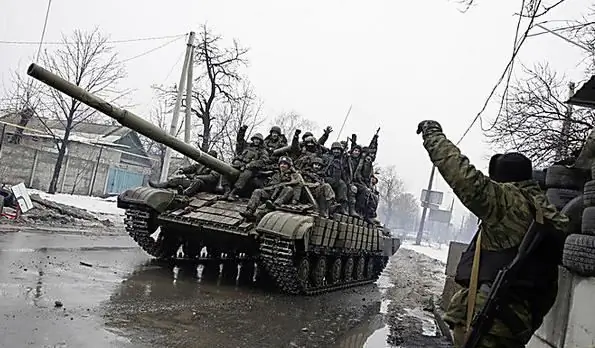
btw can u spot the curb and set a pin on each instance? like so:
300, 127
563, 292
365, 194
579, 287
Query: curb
444, 329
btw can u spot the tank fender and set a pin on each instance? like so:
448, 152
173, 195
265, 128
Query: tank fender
157, 199
287, 225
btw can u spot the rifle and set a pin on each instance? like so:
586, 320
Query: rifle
502, 286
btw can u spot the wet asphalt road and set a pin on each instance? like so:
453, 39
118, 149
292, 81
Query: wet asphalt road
112, 295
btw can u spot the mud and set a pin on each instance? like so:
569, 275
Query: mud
110, 294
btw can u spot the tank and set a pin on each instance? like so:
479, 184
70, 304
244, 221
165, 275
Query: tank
301, 251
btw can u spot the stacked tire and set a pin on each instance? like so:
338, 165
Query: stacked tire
573, 192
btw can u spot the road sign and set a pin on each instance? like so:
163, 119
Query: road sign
434, 198
439, 215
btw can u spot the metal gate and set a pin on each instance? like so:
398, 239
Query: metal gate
119, 180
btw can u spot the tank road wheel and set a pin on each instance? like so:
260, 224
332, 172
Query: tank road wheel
370, 267
348, 270
166, 245
191, 249
335, 271
360, 268
303, 272
319, 272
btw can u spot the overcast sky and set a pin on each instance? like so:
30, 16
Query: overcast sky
397, 62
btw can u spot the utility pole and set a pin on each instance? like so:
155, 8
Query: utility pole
176, 112
187, 120
425, 205
562, 150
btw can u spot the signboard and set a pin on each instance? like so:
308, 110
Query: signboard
22, 197
439, 215
434, 198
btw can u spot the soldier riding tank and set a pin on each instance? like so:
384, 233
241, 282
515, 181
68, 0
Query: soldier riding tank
301, 251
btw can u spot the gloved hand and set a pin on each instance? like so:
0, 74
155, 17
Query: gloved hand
428, 126
328, 130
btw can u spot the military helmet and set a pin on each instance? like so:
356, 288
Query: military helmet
213, 153
337, 145
276, 129
307, 134
310, 139
285, 159
317, 160
357, 146
257, 136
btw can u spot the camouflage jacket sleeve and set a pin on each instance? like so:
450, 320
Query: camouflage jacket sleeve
190, 169
211, 177
485, 198
323, 138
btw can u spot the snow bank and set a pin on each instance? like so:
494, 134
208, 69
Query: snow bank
437, 251
94, 205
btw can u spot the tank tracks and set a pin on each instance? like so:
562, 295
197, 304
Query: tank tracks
282, 263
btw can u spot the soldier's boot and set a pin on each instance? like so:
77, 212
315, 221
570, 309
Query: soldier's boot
233, 195
248, 214
193, 189
323, 208
352, 211
342, 208
156, 184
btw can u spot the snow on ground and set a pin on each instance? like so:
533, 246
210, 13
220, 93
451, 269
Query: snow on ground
435, 251
94, 205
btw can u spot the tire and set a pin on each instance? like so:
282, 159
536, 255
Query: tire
588, 221
574, 210
539, 176
579, 254
560, 197
559, 176
589, 194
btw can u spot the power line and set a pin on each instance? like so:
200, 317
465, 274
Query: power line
151, 50
508, 69
45, 24
9, 42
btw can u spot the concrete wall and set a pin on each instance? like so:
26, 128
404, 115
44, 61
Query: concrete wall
32, 162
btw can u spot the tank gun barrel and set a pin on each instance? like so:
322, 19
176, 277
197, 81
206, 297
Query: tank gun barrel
130, 120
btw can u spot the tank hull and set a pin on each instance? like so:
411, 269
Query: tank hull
302, 252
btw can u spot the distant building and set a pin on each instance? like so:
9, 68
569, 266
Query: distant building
100, 159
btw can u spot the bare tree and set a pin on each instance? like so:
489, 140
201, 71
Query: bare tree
290, 121
533, 114
159, 118
395, 203
244, 109
86, 60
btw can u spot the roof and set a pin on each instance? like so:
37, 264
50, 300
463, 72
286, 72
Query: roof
82, 132
585, 96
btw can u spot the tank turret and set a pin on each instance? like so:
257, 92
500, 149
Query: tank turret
130, 120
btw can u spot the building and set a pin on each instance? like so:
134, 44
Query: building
100, 159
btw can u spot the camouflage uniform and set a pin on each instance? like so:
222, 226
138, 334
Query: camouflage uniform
281, 193
320, 143
335, 174
362, 180
505, 216
198, 177
253, 157
355, 188
309, 152
275, 140
322, 192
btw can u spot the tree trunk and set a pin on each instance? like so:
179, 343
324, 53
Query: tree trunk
206, 133
59, 162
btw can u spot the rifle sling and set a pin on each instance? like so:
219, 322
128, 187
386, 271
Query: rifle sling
472, 294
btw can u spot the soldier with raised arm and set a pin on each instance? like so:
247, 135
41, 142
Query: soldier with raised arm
505, 203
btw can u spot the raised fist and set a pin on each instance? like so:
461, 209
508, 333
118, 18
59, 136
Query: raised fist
243, 128
298, 132
428, 126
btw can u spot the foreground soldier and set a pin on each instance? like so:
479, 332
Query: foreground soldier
198, 177
278, 188
503, 206
322, 192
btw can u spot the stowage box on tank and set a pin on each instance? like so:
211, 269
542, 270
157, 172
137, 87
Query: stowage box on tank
301, 251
